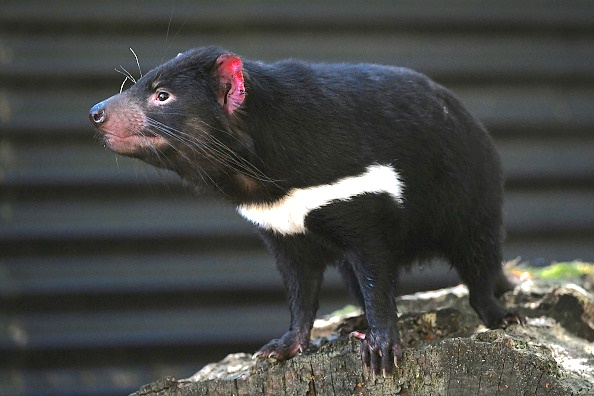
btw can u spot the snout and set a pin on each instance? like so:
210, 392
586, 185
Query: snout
98, 114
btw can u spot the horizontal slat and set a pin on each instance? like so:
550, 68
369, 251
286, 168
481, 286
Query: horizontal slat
520, 106
556, 160
72, 162
233, 14
133, 219
539, 250
248, 323
552, 212
139, 272
462, 57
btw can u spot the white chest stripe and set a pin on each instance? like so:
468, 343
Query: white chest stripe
287, 215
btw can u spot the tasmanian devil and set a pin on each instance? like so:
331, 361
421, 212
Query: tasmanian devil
370, 168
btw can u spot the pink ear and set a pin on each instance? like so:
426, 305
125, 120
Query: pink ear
231, 88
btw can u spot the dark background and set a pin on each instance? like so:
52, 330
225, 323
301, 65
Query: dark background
112, 275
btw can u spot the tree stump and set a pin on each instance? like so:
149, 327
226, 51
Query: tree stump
447, 351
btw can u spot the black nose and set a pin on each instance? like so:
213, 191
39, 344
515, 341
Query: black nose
98, 114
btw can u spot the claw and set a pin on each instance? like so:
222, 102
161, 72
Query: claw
378, 357
509, 319
357, 334
283, 348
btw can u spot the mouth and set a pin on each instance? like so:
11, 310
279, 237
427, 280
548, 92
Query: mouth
132, 143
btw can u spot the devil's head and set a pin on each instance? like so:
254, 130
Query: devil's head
184, 116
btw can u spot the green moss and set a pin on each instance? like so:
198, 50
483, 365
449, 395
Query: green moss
565, 270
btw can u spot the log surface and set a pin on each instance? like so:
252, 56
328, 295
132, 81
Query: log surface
446, 352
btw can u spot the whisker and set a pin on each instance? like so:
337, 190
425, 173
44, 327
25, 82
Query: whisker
245, 164
223, 155
127, 76
167, 37
167, 41
228, 133
126, 73
137, 62
123, 83
223, 131
200, 172
216, 151
162, 157
186, 142
230, 153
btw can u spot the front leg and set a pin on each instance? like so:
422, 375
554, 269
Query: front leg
366, 231
301, 265
381, 346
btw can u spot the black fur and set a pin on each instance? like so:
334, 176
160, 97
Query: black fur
305, 124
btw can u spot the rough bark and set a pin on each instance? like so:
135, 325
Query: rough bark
446, 352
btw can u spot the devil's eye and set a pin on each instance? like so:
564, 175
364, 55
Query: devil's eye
162, 96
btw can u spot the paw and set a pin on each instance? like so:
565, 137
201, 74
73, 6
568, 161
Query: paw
493, 314
283, 348
380, 352
508, 319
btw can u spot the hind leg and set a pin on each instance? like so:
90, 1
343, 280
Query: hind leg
481, 270
357, 323
350, 279
502, 284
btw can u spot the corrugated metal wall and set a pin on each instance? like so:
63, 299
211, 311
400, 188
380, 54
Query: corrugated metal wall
112, 275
